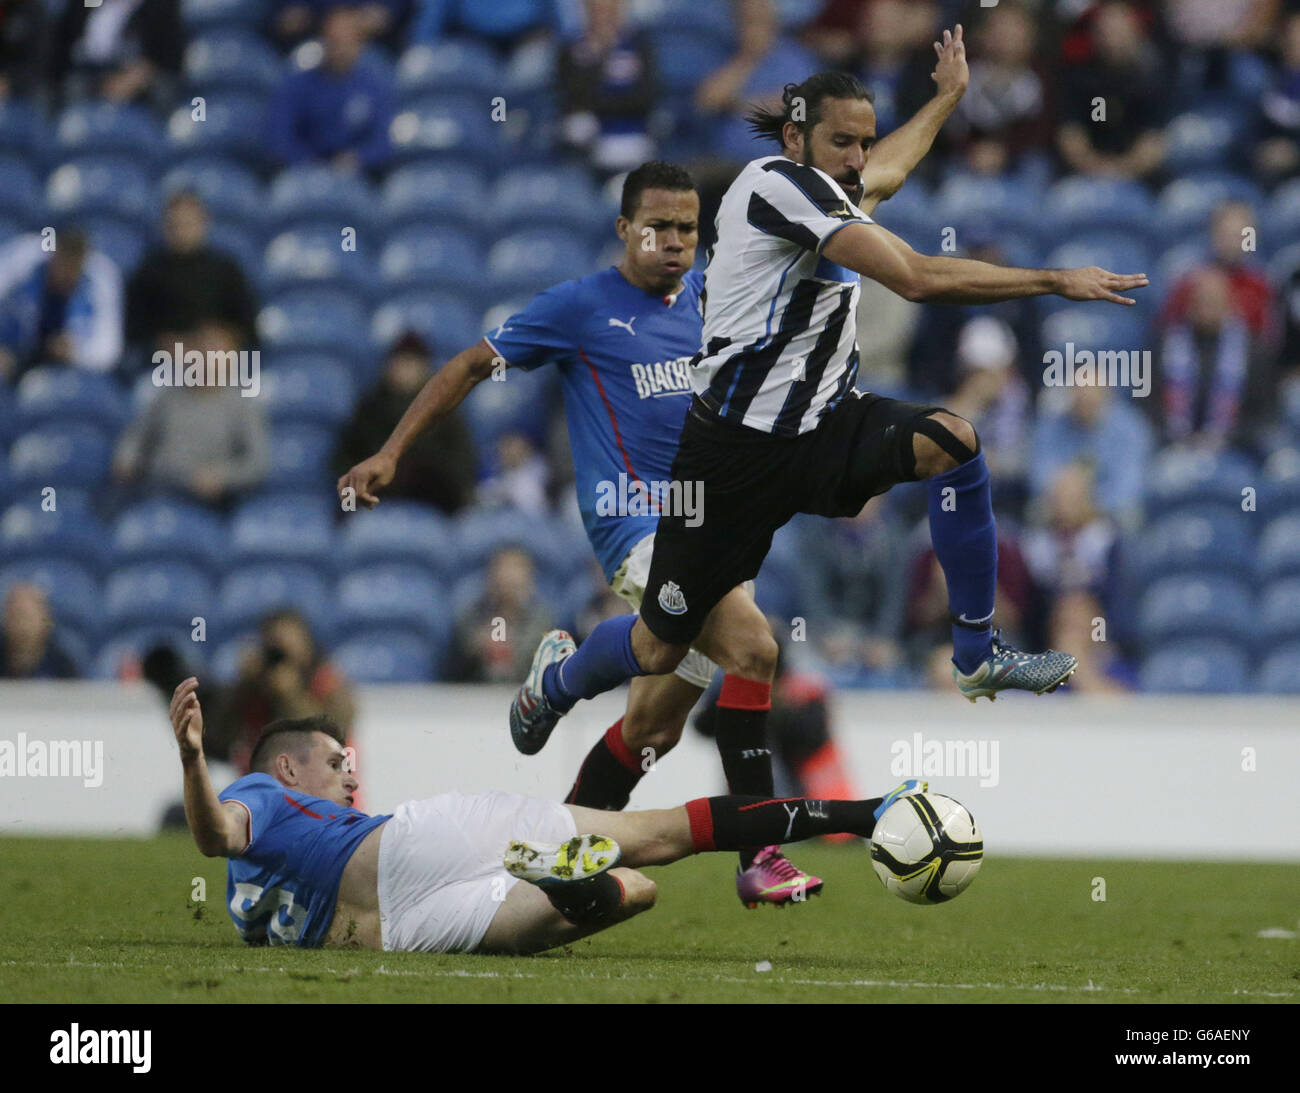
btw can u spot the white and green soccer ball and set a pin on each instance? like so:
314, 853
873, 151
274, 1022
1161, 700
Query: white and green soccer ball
926, 848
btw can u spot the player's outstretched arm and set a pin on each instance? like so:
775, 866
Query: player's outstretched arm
895, 156
443, 392
219, 829
873, 252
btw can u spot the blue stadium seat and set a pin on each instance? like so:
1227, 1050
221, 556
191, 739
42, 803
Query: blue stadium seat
447, 127
481, 532
56, 393
549, 197
452, 64
232, 125
1280, 492
1280, 672
60, 455
316, 194
1079, 205
1179, 477
394, 594
1184, 206
1203, 138
205, 15
232, 58
1196, 606
122, 240
1196, 666
101, 185
22, 128
301, 457
1282, 216
1116, 252
399, 531
240, 242
1279, 549
251, 592
968, 201
1172, 265
315, 391
434, 193
123, 649
284, 528
227, 187
530, 261
449, 323
227, 656
1197, 541
72, 588
20, 188
712, 20
431, 258
387, 655
70, 533
685, 55
169, 593
519, 403
161, 529
1089, 327
1279, 613
303, 319
102, 128
314, 256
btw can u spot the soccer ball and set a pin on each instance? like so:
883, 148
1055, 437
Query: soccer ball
926, 848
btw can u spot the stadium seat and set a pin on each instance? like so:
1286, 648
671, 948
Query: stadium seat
1077, 205
301, 457
399, 531
119, 655
1282, 216
530, 261
431, 194
710, 20
22, 128
554, 197
431, 258
394, 594
1088, 327
60, 455
1279, 613
1184, 206
205, 15
305, 319
122, 240
317, 194
240, 242
101, 185
308, 391
1195, 666
284, 528
227, 187
967, 201
452, 64
1279, 549
1280, 672
451, 128
450, 323
227, 656
1172, 265
1119, 253
161, 529
519, 403
71, 533
231, 125
1196, 606
1203, 138
313, 255
167, 593
685, 55
56, 393
481, 532
1181, 476
387, 655
251, 592
1280, 492
232, 58
72, 588
1196, 541
102, 128
20, 188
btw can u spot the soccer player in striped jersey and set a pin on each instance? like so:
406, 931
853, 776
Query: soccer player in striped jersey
776, 426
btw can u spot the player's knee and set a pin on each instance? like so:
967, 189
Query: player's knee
658, 658
639, 891
756, 659
942, 441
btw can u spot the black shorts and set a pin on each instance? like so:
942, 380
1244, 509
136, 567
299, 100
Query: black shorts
753, 483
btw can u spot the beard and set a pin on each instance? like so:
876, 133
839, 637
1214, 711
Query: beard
853, 189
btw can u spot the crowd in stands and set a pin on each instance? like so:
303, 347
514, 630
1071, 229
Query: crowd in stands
357, 191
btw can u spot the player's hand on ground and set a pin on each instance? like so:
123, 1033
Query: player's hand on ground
951, 74
187, 718
1094, 283
367, 477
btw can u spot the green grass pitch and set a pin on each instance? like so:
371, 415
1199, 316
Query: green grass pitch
112, 921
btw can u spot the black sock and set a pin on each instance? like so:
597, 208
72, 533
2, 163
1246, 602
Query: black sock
608, 775
728, 823
741, 722
596, 899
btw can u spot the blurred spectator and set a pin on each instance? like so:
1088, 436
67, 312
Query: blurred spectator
1212, 36
339, 111
894, 58
441, 465
498, 633
1277, 155
60, 305
1123, 80
1102, 428
119, 50
521, 478
608, 89
1005, 113
992, 396
28, 647
284, 675
207, 442
185, 282
834, 32
292, 22
1070, 557
1214, 384
1250, 293
502, 23
23, 47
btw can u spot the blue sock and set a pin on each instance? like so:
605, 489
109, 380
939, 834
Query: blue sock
601, 663
965, 541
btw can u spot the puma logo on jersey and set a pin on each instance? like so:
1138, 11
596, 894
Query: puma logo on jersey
625, 325
671, 598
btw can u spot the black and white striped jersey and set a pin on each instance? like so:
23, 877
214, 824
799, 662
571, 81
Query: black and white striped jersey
779, 345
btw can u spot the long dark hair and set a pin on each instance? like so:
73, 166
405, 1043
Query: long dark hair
768, 124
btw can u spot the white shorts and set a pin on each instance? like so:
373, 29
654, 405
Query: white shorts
441, 880
628, 584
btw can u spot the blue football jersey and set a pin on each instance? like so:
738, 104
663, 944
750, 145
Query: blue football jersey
282, 889
624, 358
